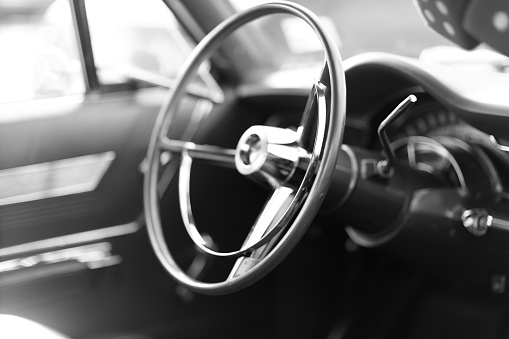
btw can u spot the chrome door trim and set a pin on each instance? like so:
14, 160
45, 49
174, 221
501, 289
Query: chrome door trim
94, 256
71, 239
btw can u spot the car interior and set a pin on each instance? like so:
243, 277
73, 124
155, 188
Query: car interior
254, 169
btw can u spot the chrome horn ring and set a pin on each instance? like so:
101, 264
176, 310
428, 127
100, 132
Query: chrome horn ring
297, 165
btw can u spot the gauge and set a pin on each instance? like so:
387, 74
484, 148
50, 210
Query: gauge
452, 162
428, 155
434, 139
429, 118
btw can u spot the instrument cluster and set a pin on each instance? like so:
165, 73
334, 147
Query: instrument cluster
433, 138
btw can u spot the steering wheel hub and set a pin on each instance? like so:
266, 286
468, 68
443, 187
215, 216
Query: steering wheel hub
269, 153
251, 150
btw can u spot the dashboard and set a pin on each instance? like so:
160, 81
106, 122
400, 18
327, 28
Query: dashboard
448, 203
455, 132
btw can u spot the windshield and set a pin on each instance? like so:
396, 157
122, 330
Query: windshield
359, 26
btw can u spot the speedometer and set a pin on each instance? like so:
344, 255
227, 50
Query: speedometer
434, 139
430, 119
452, 162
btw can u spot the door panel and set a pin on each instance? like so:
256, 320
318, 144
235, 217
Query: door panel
71, 291
117, 125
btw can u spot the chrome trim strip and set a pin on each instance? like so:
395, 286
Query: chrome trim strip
498, 146
201, 110
499, 223
94, 256
53, 179
71, 240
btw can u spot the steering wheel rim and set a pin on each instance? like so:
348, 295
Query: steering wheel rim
325, 165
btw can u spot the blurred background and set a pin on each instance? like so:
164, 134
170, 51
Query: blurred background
40, 59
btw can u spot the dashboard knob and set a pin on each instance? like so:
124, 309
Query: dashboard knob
477, 221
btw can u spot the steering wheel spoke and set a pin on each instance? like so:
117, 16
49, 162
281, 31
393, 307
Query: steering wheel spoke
270, 221
212, 154
270, 217
265, 231
315, 110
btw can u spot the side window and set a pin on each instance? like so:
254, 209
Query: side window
39, 57
135, 39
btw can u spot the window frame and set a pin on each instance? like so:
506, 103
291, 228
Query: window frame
84, 43
93, 84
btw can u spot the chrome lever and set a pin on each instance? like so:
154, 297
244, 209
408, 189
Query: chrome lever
497, 145
385, 168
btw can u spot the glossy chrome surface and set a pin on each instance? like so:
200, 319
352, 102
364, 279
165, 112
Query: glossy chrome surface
267, 225
386, 167
71, 239
269, 153
500, 147
318, 99
94, 256
59, 262
169, 160
317, 173
201, 111
499, 224
212, 154
478, 220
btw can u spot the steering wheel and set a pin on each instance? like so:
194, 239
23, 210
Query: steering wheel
297, 165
